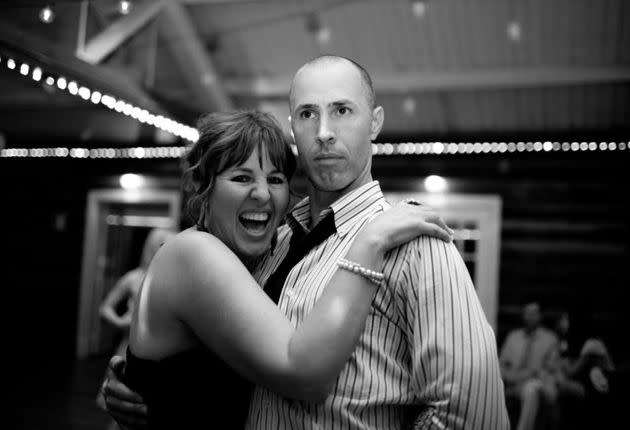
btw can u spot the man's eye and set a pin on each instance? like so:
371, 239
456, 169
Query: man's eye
343, 110
307, 114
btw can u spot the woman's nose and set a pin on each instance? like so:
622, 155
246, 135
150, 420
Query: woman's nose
260, 192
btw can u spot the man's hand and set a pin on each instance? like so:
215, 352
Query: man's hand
126, 407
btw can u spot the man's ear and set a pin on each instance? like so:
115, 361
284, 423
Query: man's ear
378, 116
291, 129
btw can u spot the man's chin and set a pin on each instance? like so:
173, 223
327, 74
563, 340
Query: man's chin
331, 184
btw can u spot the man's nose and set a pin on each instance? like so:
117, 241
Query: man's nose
325, 133
260, 191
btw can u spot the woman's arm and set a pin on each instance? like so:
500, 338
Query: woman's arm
225, 308
119, 293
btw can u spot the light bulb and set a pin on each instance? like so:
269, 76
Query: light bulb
46, 15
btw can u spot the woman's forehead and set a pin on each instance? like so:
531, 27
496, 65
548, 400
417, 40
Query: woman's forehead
259, 158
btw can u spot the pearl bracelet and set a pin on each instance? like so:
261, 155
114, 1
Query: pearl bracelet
371, 275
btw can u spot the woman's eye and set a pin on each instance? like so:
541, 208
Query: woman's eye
240, 178
276, 180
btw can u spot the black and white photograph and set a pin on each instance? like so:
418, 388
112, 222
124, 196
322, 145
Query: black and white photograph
324, 214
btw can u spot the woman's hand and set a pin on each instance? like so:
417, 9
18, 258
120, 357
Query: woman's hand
402, 223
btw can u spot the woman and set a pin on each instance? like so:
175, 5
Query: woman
203, 327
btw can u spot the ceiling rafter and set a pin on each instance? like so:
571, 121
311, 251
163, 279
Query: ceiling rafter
195, 64
405, 82
108, 40
56, 58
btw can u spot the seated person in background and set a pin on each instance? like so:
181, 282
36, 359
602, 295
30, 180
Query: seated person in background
586, 368
529, 367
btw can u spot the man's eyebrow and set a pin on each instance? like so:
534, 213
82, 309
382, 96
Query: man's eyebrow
341, 102
336, 103
306, 106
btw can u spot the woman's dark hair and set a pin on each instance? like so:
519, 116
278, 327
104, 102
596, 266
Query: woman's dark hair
228, 139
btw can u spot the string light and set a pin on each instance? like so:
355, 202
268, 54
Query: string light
514, 31
409, 105
96, 153
37, 74
314, 26
439, 148
124, 7
98, 97
435, 184
418, 8
46, 15
379, 149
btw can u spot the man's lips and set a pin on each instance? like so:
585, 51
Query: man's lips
328, 157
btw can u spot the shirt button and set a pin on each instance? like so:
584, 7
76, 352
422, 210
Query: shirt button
289, 293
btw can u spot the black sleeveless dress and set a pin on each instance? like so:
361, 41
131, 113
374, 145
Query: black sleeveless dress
193, 389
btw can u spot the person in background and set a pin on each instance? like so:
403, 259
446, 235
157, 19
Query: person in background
427, 356
586, 369
529, 361
124, 292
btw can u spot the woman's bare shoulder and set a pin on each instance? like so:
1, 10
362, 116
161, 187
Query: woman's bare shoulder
190, 242
193, 253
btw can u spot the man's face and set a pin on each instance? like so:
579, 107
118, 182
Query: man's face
333, 125
531, 315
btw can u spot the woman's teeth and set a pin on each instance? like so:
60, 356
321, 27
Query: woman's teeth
254, 221
255, 216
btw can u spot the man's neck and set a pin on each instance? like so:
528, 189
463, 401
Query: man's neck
320, 200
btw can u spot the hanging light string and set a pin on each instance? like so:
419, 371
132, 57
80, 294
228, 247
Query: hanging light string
378, 149
439, 148
97, 97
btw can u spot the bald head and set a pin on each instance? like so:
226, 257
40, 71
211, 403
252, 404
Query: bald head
366, 80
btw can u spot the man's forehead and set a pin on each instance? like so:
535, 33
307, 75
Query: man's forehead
326, 69
329, 83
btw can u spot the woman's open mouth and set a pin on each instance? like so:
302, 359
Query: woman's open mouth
255, 222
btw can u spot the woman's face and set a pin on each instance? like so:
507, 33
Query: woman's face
247, 204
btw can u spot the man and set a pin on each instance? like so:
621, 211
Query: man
427, 353
529, 366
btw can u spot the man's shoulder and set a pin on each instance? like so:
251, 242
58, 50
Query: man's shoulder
516, 333
424, 246
547, 334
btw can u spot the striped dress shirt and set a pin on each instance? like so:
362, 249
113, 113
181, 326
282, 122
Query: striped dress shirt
427, 353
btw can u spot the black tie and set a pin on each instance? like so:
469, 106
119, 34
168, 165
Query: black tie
300, 245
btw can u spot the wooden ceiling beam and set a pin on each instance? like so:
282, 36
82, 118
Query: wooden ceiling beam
195, 64
402, 83
108, 40
56, 60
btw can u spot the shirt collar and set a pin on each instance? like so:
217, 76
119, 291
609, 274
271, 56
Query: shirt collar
345, 209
